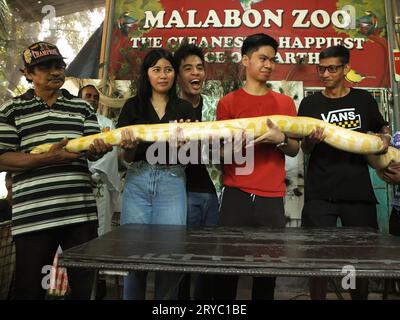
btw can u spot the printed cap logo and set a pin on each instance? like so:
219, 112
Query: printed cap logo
27, 56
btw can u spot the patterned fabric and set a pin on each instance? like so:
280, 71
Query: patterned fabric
208, 114
52, 195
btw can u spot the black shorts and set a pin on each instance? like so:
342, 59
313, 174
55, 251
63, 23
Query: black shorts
323, 213
242, 209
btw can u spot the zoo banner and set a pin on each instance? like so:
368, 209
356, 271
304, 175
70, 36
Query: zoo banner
302, 28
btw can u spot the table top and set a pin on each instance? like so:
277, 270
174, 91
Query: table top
241, 251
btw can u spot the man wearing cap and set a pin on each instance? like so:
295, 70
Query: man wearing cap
53, 203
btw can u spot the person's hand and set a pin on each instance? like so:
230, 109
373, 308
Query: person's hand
236, 141
98, 149
176, 138
57, 152
391, 174
386, 142
128, 140
316, 136
239, 141
273, 135
394, 166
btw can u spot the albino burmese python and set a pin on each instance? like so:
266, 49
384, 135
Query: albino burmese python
296, 127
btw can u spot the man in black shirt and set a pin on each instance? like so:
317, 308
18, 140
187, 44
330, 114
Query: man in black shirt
203, 182
338, 183
202, 190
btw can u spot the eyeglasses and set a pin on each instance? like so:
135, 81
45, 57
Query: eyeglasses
331, 69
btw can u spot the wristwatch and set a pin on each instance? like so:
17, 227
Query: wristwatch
284, 142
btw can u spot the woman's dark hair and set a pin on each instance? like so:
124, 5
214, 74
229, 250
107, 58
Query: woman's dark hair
144, 90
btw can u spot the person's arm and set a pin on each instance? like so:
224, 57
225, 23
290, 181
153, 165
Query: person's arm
98, 149
292, 147
378, 125
391, 174
19, 161
91, 126
288, 146
128, 154
128, 145
238, 138
12, 159
316, 136
385, 136
308, 143
274, 135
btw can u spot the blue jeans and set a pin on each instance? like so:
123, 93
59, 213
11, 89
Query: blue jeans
202, 209
153, 194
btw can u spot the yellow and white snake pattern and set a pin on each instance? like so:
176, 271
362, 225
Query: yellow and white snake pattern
296, 127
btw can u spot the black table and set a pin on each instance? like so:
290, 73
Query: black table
241, 251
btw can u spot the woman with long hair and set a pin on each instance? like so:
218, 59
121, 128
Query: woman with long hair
153, 193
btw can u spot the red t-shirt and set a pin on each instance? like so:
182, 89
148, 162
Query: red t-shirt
268, 177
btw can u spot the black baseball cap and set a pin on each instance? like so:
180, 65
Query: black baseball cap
40, 52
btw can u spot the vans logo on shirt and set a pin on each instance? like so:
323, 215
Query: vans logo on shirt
345, 118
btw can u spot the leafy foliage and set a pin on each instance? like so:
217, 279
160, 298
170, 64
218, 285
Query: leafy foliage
17, 34
4, 19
